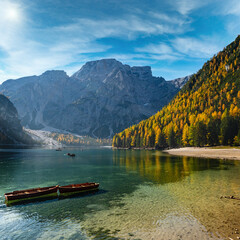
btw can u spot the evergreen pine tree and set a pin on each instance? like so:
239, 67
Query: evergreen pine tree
171, 138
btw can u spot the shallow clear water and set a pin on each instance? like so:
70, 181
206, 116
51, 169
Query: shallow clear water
143, 195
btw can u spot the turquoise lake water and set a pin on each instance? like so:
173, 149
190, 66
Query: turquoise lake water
143, 195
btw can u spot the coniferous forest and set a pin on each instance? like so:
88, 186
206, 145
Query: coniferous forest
206, 112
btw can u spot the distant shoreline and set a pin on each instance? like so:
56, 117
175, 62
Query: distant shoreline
219, 152
204, 152
134, 148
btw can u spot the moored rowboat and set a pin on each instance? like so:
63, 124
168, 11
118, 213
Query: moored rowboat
78, 188
40, 194
33, 193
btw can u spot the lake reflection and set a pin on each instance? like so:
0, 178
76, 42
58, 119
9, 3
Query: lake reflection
163, 168
143, 195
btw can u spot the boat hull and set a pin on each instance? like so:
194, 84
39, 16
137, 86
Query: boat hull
31, 194
77, 188
42, 194
46, 197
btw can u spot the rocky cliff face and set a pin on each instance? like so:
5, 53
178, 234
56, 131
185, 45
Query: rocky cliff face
11, 131
180, 82
102, 98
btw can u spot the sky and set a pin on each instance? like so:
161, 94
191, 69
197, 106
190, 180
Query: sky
174, 37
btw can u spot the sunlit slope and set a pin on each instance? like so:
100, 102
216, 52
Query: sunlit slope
205, 112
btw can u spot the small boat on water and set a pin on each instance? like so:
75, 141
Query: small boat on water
71, 154
78, 188
31, 194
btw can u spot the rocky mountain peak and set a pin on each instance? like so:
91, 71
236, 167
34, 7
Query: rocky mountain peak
97, 70
143, 73
54, 74
180, 82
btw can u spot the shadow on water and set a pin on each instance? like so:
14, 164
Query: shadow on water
85, 194
30, 201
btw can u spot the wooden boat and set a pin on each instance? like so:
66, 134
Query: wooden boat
31, 194
45, 193
71, 154
78, 188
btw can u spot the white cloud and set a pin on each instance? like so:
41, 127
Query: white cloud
160, 51
164, 57
78, 47
199, 48
185, 7
230, 10
22, 51
177, 20
213, 7
230, 7
33, 59
28, 50
182, 48
160, 48
128, 27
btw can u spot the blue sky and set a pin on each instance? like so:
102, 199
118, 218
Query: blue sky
174, 37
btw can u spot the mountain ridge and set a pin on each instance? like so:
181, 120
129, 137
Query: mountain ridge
103, 97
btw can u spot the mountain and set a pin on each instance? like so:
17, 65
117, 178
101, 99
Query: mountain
205, 112
100, 99
36, 97
180, 82
11, 131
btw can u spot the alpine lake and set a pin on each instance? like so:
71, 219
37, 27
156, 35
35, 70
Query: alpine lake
143, 194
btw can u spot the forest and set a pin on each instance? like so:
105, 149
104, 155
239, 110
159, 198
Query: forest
206, 112
76, 140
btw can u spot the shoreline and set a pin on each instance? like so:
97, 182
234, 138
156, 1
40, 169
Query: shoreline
218, 152
204, 152
134, 148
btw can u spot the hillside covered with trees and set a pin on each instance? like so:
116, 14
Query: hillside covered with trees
205, 112
76, 140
